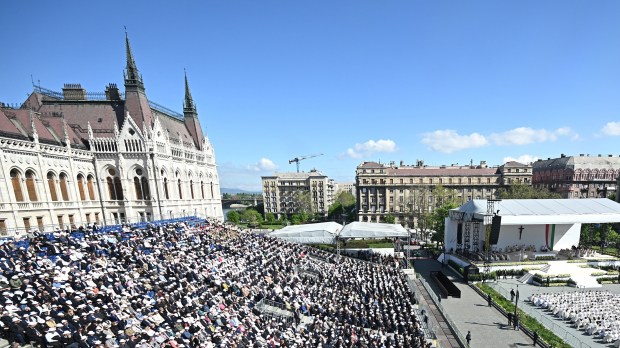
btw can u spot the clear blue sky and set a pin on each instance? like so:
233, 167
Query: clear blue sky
443, 81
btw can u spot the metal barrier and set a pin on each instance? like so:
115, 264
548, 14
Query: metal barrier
459, 336
275, 310
548, 321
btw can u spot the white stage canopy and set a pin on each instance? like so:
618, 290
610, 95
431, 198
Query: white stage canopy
321, 233
373, 230
542, 211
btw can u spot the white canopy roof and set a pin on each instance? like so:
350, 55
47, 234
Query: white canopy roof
372, 230
321, 233
543, 211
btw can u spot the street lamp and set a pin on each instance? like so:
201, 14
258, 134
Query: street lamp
516, 303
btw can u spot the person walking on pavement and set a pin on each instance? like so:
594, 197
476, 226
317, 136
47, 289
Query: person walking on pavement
509, 319
512, 295
515, 322
535, 338
490, 300
468, 337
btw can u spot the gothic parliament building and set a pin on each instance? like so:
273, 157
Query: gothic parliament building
74, 158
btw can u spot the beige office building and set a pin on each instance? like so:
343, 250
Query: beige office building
408, 191
280, 192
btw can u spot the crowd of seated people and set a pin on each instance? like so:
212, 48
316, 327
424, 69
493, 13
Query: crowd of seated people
595, 312
387, 260
180, 286
481, 256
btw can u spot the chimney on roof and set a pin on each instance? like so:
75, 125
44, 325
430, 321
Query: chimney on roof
483, 164
610, 155
111, 92
402, 163
73, 91
562, 155
599, 155
581, 155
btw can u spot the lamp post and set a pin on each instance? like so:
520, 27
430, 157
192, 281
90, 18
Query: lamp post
516, 304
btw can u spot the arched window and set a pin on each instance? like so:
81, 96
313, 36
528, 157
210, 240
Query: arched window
80, 184
137, 188
191, 188
63, 187
166, 188
51, 183
145, 188
180, 189
16, 180
111, 190
202, 189
115, 189
31, 186
212, 195
91, 188
119, 188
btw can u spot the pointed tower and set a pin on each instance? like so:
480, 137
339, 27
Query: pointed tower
136, 102
191, 117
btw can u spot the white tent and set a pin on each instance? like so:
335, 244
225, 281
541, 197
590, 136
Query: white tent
321, 233
372, 230
543, 211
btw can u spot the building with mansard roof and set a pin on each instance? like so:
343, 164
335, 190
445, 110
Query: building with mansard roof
74, 158
582, 176
408, 192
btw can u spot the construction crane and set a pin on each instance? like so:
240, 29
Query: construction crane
301, 158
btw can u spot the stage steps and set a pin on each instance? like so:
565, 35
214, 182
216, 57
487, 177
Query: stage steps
525, 279
545, 268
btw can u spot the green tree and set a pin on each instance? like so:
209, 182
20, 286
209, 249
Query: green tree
283, 220
303, 202
296, 219
390, 218
252, 216
233, 216
438, 218
226, 196
523, 191
270, 218
343, 204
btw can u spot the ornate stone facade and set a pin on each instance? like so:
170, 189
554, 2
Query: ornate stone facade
74, 158
407, 192
582, 176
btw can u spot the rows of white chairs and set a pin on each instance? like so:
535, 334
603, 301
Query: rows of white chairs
595, 312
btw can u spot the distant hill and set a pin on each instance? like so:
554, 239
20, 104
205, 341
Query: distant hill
234, 191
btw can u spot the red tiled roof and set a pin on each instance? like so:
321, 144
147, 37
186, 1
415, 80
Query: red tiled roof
56, 125
23, 116
138, 107
175, 126
448, 171
371, 165
514, 164
77, 114
6, 126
